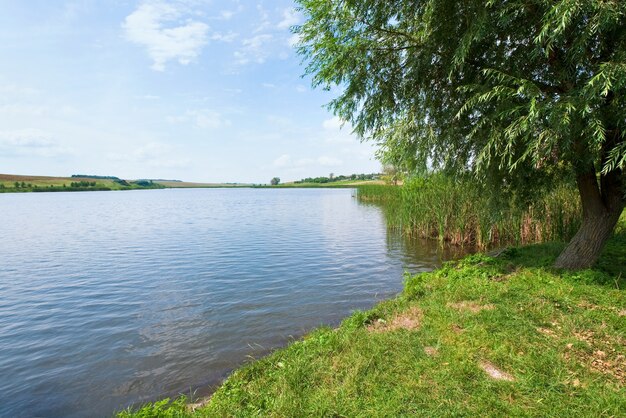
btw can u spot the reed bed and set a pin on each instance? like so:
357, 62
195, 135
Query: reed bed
462, 212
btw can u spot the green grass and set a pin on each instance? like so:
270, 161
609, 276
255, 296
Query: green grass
560, 335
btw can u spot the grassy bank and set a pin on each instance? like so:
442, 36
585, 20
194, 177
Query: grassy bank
460, 212
485, 336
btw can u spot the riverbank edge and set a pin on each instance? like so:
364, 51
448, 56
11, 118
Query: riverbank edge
505, 335
163, 187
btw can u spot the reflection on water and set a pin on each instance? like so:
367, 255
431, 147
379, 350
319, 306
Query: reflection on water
114, 298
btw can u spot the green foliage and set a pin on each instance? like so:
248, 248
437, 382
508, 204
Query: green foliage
333, 179
83, 183
499, 87
357, 320
160, 409
522, 94
465, 212
275, 181
379, 193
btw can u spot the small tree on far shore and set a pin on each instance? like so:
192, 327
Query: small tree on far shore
275, 181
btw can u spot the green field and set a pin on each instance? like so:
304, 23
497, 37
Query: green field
10, 183
47, 183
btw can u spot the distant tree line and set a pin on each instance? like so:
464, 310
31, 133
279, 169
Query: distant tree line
83, 183
87, 176
332, 178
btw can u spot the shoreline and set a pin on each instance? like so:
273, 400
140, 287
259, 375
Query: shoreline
502, 330
10, 183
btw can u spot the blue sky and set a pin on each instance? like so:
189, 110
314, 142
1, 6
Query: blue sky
197, 90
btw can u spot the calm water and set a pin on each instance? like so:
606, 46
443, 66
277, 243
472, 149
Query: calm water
114, 298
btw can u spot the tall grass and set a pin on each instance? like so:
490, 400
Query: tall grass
465, 213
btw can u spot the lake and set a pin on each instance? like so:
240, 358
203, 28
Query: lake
109, 299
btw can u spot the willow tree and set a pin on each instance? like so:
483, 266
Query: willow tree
524, 87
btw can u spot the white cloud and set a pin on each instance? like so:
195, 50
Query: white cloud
293, 40
290, 18
281, 122
17, 91
264, 19
333, 124
75, 9
146, 26
227, 14
153, 154
148, 97
224, 37
285, 161
337, 130
329, 161
202, 118
301, 88
209, 119
254, 49
256, 42
22, 109
31, 142
282, 161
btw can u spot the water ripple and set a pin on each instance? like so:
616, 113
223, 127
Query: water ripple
109, 299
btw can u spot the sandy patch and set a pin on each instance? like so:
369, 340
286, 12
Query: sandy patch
471, 306
603, 356
494, 372
409, 320
457, 329
431, 351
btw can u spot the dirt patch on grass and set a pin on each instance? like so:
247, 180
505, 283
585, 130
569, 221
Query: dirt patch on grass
547, 331
409, 320
457, 329
471, 306
495, 373
602, 355
431, 351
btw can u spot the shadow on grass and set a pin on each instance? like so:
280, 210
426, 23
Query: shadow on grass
610, 270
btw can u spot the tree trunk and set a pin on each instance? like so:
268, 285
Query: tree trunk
602, 208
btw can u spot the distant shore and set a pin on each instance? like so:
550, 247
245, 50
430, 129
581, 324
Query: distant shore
13, 183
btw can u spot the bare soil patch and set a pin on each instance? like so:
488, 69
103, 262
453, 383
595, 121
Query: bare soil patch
431, 351
471, 306
409, 320
603, 357
494, 372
